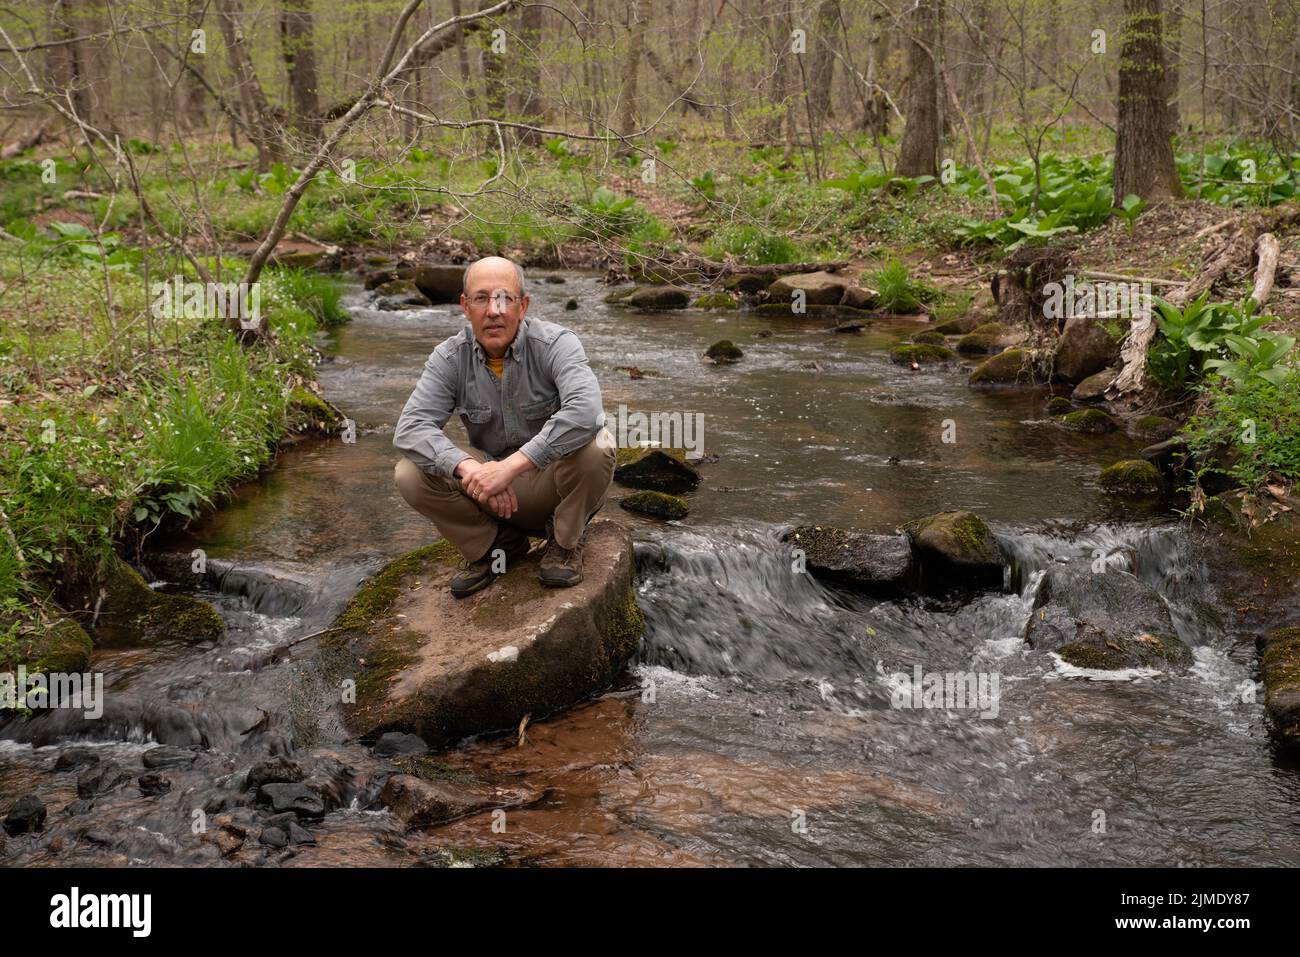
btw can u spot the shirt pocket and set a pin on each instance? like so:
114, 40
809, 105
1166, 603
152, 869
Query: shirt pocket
540, 411
478, 417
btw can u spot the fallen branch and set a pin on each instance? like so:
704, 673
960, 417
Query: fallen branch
1120, 277
1211, 230
41, 135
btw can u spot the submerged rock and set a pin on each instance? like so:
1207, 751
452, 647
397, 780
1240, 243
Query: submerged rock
168, 757
418, 802
921, 352
443, 668
26, 816
656, 505
1059, 405
396, 744
724, 351
1107, 620
102, 778
1279, 668
659, 470
881, 565
956, 549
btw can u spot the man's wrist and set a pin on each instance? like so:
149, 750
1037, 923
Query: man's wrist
518, 463
456, 469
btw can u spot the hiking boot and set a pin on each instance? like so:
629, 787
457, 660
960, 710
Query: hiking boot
475, 576
560, 567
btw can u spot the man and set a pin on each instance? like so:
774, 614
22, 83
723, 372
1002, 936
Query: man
541, 460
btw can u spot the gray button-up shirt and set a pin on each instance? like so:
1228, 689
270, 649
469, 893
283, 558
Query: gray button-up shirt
546, 404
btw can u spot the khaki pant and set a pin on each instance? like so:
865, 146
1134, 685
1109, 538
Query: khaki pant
571, 489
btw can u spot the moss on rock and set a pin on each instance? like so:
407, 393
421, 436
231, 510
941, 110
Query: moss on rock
921, 353
659, 470
1156, 427
1059, 405
60, 645
1131, 477
929, 337
716, 300
1012, 367
308, 412
656, 505
131, 612
1088, 421
1280, 671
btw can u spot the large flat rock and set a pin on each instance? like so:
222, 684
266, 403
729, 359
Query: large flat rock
444, 668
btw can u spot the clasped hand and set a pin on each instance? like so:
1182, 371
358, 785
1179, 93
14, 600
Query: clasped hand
488, 483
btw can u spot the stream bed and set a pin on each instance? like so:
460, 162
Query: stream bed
755, 726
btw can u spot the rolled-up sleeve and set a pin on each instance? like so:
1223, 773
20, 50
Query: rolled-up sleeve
580, 416
419, 433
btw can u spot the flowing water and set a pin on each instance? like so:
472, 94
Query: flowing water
755, 725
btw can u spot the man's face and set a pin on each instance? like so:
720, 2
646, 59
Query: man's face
494, 305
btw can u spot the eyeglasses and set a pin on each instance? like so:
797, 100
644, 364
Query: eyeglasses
503, 300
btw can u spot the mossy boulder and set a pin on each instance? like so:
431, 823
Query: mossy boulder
960, 325
619, 295
658, 470
716, 300
658, 297
1088, 421
1093, 388
308, 412
929, 337
1105, 620
1136, 477
443, 668
656, 505
724, 351
398, 287
921, 353
1279, 668
60, 645
132, 613
1059, 405
1012, 367
881, 565
987, 339
748, 282
956, 549
1156, 427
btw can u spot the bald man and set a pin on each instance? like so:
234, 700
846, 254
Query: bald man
540, 460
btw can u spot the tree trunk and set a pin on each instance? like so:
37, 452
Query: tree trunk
1144, 158
1174, 48
823, 62
529, 95
462, 57
632, 66
66, 64
918, 154
297, 45
260, 121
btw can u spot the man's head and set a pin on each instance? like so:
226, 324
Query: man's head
493, 300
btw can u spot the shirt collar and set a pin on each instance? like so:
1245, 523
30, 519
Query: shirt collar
516, 347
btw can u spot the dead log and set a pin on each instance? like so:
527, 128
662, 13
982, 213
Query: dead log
1267, 249
41, 135
1234, 253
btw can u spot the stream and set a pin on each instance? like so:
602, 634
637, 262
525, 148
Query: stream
754, 726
